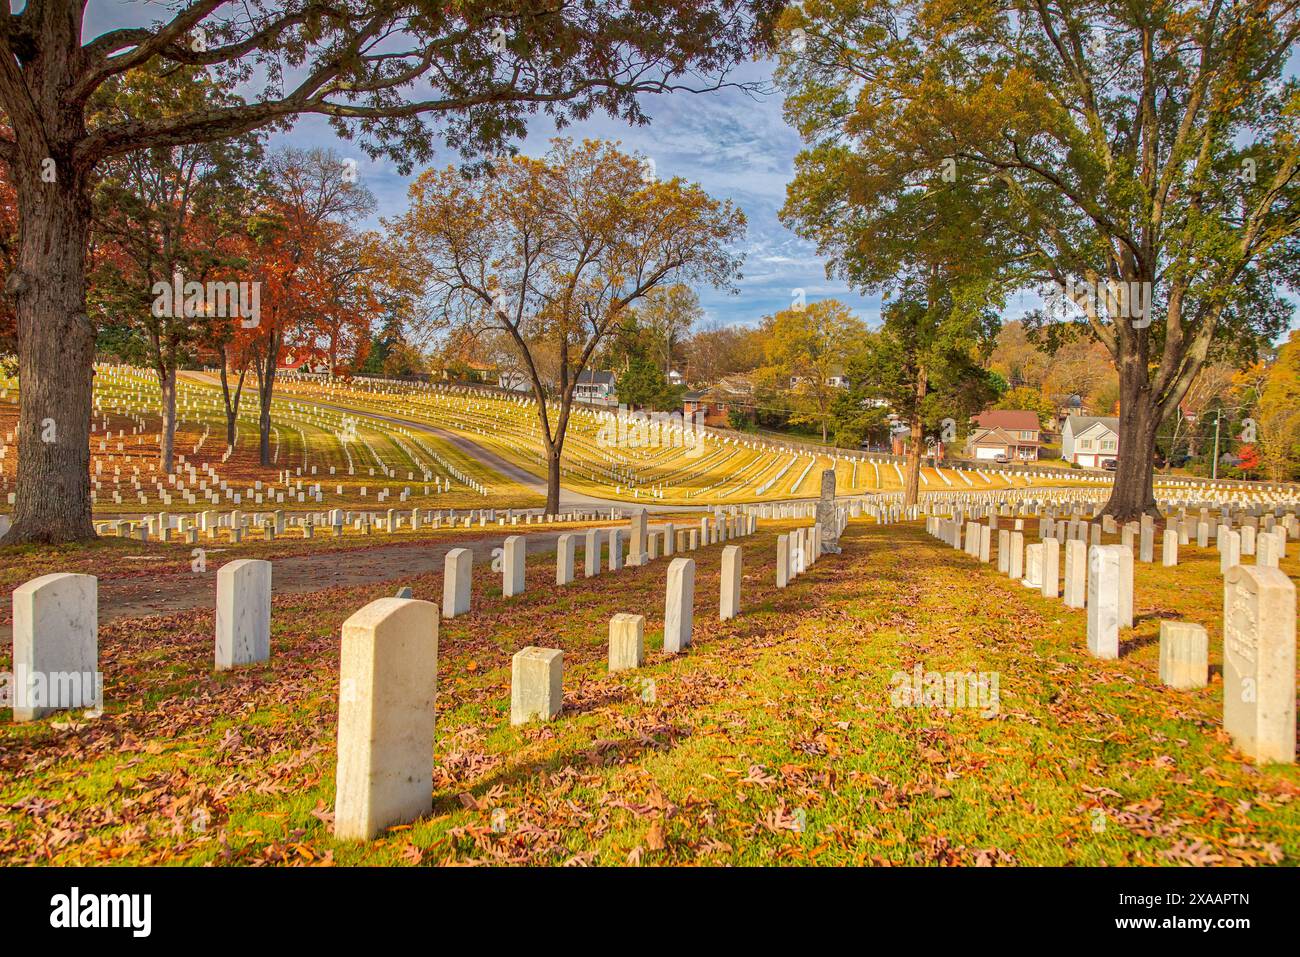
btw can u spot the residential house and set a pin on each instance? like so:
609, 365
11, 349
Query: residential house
836, 380
515, 380
307, 360
717, 402
1090, 440
596, 388
1073, 405
1013, 433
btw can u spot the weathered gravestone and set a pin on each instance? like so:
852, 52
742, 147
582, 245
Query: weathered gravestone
536, 684
56, 645
1266, 550
457, 576
626, 641
1104, 574
636, 539
1076, 574
732, 572
1147, 540
1016, 556
1034, 567
1229, 549
243, 613
388, 680
1259, 649
615, 549
1170, 549
679, 604
591, 553
1184, 654
1125, 587
1247, 539
1051, 568
565, 548
513, 558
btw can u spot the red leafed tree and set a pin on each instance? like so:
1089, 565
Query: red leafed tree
1247, 458
352, 272
230, 339
314, 196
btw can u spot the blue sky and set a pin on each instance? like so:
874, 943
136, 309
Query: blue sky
735, 145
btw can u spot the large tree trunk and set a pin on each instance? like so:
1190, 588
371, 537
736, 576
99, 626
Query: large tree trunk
553, 480
1133, 494
912, 474
56, 353
167, 382
266, 386
231, 403
265, 391
554, 445
912, 467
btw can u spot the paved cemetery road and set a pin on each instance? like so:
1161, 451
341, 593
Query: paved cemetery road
514, 473
137, 597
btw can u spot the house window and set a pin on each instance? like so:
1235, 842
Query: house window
1108, 445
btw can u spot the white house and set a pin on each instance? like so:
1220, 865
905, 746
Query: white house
514, 379
596, 388
836, 381
1090, 440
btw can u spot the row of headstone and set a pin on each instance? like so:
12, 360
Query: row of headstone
1259, 617
377, 763
56, 635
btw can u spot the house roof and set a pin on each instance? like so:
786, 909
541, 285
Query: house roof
589, 377
1078, 424
295, 359
1001, 437
735, 385
1020, 420
991, 437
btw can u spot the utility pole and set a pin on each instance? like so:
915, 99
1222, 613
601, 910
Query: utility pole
1214, 472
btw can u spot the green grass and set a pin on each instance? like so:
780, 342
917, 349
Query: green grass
772, 740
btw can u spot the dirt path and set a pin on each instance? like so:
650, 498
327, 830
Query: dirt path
138, 597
